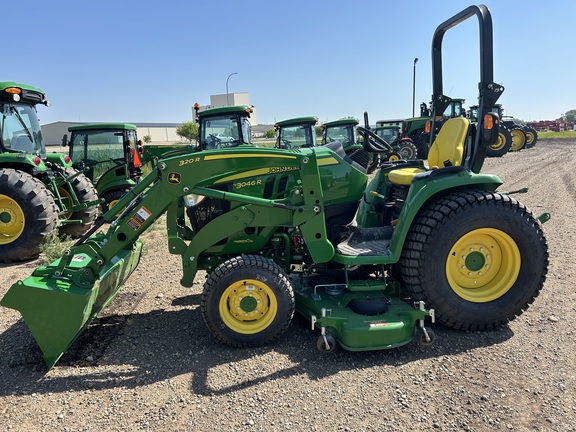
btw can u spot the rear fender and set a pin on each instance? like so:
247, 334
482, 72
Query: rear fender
423, 191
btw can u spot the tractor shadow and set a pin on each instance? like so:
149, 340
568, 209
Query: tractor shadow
137, 350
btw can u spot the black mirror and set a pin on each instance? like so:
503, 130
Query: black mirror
65, 140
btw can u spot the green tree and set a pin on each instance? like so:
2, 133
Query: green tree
270, 133
147, 139
570, 116
188, 130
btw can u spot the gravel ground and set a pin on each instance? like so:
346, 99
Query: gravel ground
149, 363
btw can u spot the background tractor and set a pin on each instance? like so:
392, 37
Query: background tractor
109, 154
415, 128
368, 263
38, 191
521, 136
295, 133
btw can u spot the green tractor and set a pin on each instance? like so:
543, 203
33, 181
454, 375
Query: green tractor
391, 132
370, 264
505, 139
418, 128
520, 136
296, 133
109, 154
38, 191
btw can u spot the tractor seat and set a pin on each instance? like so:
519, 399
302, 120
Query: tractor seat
447, 150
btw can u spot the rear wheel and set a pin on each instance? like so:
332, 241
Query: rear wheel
407, 150
531, 136
503, 144
85, 192
518, 139
479, 259
28, 214
247, 301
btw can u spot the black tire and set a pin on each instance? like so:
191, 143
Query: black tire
503, 145
85, 192
531, 136
518, 138
421, 140
478, 258
247, 301
111, 198
28, 214
407, 150
326, 349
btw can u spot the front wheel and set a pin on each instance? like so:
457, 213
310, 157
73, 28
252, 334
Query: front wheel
407, 150
531, 136
247, 301
85, 192
28, 214
478, 258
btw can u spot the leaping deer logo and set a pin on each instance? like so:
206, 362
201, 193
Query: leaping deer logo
174, 178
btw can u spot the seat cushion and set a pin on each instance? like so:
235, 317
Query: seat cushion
404, 176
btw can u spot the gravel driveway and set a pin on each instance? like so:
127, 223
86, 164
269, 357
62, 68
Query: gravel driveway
149, 363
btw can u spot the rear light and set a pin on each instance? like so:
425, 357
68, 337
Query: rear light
428, 127
37, 160
488, 122
67, 159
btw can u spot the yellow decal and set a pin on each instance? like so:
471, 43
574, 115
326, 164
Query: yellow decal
247, 183
328, 161
188, 161
174, 178
252, 155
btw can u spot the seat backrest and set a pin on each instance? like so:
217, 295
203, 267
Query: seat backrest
449, 143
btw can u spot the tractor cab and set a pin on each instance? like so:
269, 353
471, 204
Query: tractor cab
20, 129
296, 133
110, 156
224, 127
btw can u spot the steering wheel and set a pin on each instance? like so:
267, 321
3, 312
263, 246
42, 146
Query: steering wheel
217, 141
374, 143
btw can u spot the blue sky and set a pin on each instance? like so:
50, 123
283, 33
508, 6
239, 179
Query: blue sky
149, 61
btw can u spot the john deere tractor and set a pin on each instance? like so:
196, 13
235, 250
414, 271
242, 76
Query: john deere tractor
371, 265
295, 133
39, 191
416, 128
109, 154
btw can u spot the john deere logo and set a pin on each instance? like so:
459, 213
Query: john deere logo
174, 178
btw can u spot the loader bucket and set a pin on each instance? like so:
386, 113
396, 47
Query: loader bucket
57, 311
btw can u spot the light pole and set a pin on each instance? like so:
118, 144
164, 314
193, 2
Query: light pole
414, 86
233, 73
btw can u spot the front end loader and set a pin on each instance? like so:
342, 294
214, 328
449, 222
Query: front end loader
369, 264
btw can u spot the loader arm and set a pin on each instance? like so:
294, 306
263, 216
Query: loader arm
58, 301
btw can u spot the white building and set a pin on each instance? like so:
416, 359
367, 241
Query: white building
222, 100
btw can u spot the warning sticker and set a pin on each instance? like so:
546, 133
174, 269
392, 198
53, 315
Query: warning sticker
139, 218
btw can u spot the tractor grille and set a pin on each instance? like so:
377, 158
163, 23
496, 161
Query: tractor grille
207, 210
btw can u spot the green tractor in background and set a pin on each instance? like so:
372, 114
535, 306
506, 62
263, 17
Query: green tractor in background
296, 133
369, 262
522, 136
109, 154
39, 191
391, 132
417, 128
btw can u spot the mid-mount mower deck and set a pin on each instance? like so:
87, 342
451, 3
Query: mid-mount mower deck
303, 230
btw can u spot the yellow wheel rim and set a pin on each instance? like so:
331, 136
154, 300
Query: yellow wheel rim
67, 200
248, 306
529, 137
483, 265
500, 143
12, 220
518, 140
393, 158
